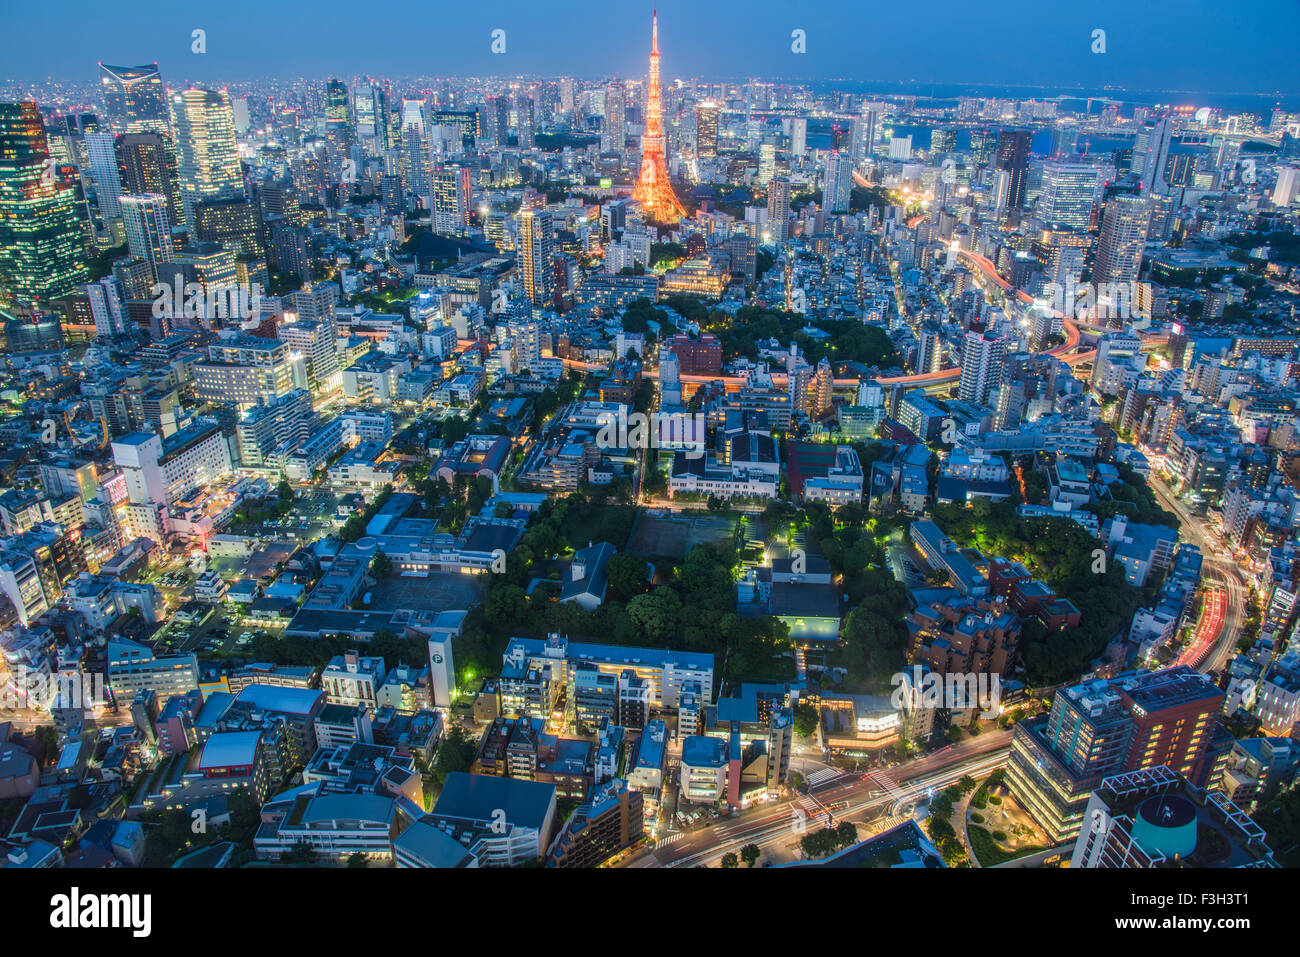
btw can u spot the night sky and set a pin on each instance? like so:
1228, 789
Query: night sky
1185, 45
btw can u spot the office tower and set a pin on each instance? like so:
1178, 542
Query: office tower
338, 113
239, 109
982, 360
798, 136
134, 100
415, 163
983, 141
371, 111
498, 120
146, 163
837, 189
526, 121
103, 171
1123, 236
233, 224
535, 257
41, 251
208, 157
1156, 155
450, 200
149, 232
778, 209
613, 134
1065, 142
706, 129
1013, 157
653, 190
1288, 185
1100, 728
865, 133
766, 163
942, 141
1069, 190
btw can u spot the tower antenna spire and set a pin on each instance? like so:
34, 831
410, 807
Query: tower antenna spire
653, 190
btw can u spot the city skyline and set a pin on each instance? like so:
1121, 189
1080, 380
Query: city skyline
980, 46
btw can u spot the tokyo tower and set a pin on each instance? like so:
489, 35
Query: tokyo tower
653, 190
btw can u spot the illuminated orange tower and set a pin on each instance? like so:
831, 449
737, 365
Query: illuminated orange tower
653, 190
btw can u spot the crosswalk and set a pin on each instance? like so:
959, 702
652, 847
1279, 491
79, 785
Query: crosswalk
670, 839
885, 783
881, 825
825, 774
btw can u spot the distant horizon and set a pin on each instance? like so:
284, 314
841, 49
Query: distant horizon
1199, 47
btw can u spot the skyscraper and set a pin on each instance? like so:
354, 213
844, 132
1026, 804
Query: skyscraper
208, 154
134, 100
706, 129
653, 190
778, 209
148, 232
1013, 156
982, 360
798, 136
1156, 155
535, 257
838, 186
1068, 193
1123, 236
146, 163
613, 134
41, 251
103, 170
449, 204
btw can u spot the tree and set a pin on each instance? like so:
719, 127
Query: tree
301, 854
805, 719
357, 859
750, 854
729, 861
626, 574
381, 566
847, 834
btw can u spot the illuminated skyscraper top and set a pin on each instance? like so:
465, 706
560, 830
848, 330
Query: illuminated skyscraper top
653, 190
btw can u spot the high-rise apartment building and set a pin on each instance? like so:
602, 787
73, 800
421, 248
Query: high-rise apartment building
535, 256
838, 186
983, 359
1123, 237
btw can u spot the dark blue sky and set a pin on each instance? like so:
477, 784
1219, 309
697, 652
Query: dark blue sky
1206, 45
